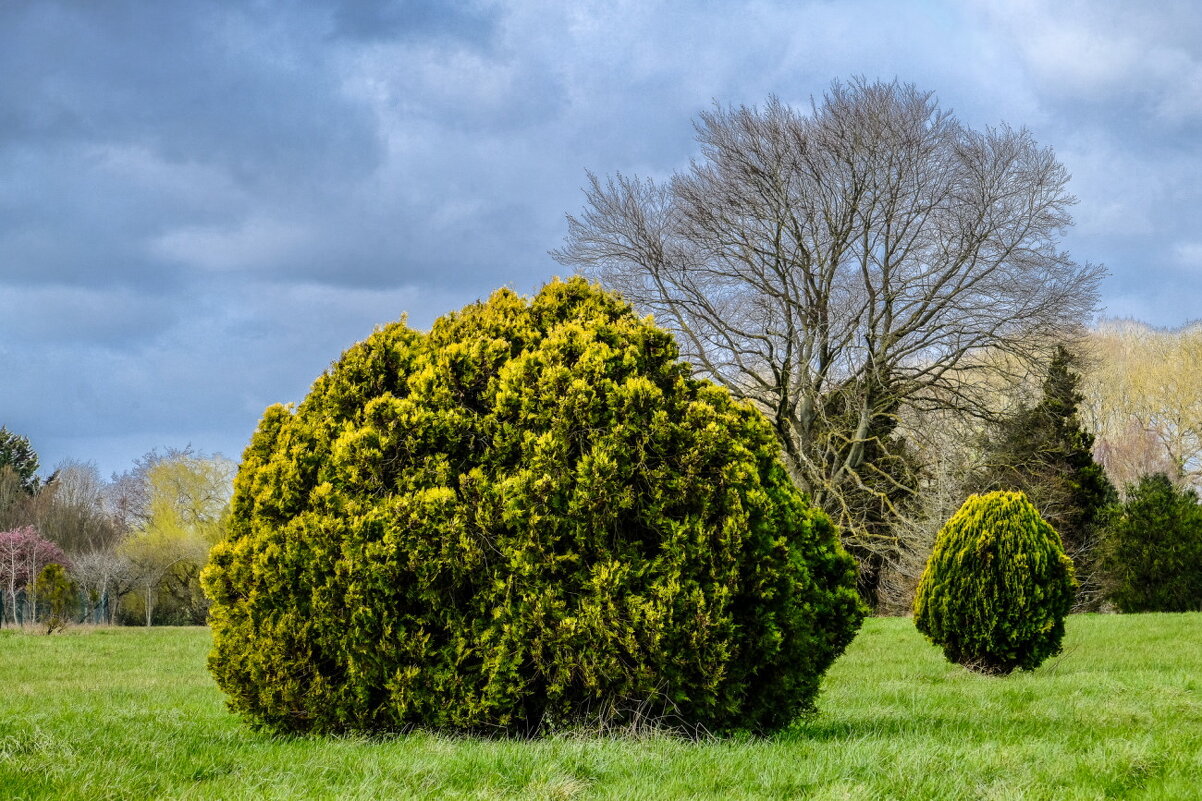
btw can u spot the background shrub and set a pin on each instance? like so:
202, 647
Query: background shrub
527, 518
997, 586
1152, 549
55, 589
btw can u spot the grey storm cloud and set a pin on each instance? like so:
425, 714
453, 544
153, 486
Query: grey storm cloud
383, 20
203, 203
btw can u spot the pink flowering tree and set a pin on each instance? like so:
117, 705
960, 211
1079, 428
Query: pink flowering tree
23, 554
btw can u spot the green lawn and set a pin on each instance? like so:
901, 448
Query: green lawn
129, 713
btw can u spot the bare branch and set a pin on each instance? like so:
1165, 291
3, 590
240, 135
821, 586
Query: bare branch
840, 266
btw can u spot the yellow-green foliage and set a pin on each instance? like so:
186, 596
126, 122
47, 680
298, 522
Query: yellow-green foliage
997, 586
527, 518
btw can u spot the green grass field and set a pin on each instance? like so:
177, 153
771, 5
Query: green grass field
129, 713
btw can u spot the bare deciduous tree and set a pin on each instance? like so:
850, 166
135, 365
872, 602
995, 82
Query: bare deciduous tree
1144, 400
106, 576
840, 266
71, 513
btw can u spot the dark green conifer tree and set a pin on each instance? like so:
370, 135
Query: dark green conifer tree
1044, 452
1152, 549
17, 455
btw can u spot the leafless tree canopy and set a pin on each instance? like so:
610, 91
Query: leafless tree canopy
70, 512
1144, 401
871, 250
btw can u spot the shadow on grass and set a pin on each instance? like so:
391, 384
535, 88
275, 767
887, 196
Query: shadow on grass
876, 727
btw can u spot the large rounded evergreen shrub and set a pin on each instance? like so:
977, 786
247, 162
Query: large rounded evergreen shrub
527, 518
997, 586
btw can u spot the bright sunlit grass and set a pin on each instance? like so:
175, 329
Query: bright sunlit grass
130, 713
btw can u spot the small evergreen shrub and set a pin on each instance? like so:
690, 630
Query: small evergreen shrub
530, 517
997, 587
54, 588
1152, 549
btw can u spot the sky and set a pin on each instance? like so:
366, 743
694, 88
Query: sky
203, 204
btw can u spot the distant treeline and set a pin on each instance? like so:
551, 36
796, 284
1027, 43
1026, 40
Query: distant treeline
131, 547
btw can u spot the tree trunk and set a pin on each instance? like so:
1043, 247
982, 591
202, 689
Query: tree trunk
12, 597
